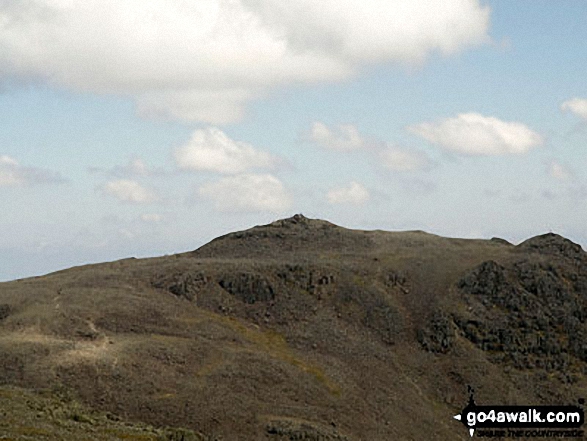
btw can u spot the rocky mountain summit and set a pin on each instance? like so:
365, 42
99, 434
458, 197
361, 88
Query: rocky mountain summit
296, 330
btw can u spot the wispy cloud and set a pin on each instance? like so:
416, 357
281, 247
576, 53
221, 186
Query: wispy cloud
347, 138
136, 167
354, 194
126, 190
342, 137
577, 106
559, 171
404, 160
153, 218
13, 174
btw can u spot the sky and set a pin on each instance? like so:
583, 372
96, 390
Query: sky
143, 128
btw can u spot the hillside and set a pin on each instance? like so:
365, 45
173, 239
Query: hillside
296, 330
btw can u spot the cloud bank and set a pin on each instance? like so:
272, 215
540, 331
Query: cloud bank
205, 60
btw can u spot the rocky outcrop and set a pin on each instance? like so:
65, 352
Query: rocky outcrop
310, 279
248, 287
490, 285
553, 244
530, 314
439, 334
290, 429
187, 285
301, 221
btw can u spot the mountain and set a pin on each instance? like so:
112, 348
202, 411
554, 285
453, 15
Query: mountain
296, 330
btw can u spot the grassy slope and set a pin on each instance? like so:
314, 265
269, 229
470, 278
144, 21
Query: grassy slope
50, 416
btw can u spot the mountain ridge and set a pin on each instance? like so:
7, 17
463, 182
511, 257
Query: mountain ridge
302, 329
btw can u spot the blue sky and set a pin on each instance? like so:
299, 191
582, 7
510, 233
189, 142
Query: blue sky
141, 129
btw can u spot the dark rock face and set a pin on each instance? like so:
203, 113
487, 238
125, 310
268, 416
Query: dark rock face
5, 311
186, 285
313, 280
529, 314
248, 287
189, 285
489, 283
439, 336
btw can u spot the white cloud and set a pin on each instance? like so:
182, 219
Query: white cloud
342, 137
247, 193
204, 60
211, 150
397, 159
354, 194
558, 171
13, 174
578, 106
126, 190
475, 134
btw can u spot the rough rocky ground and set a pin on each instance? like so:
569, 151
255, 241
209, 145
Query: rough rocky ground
297, 330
